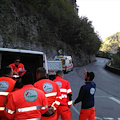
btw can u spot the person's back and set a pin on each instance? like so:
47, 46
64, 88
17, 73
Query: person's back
65, 89
66, 93
50, 89
6, 86
24, 106
52, 92
27, 102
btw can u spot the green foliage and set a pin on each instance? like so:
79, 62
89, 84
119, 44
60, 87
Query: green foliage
111, 43
118, 51
116, 61
57, 21
103, 54
4, 4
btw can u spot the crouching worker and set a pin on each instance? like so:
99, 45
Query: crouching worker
27, 102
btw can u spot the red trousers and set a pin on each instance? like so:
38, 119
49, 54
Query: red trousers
64, 112
52, 117
87, 114
2, 116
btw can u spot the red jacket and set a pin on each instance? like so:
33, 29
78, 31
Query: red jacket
17, 69
6, 86
26, 103
65, 89
51, 90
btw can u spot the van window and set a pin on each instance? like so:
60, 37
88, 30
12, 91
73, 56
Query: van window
70, 61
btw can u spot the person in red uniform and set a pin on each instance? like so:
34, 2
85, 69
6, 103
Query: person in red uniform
86, 96
64, 108
6, 86
26, 103
18, 68
52, 92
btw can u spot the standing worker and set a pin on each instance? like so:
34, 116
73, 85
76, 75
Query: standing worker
52, 92
64, 108
26, 103
6, 86
86, 96
18, 68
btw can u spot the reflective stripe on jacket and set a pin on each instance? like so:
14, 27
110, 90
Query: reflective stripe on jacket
65, 89
25, 103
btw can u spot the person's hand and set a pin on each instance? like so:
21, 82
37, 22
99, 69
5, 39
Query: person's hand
85, 72
53, 107
49, 111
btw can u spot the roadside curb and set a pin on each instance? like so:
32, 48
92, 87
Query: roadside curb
111, 68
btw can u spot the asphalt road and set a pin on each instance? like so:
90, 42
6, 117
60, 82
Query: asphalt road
107, 97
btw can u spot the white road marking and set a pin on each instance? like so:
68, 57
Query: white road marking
115, 100
106, 118
97, 118
75, 109
112, 98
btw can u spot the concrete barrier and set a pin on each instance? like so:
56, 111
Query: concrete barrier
111, 68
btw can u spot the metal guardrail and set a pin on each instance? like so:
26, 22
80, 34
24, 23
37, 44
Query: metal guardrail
111, 68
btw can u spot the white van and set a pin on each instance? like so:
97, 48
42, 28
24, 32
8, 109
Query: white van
67, 64
31, 59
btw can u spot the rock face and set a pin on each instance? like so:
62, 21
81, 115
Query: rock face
21, 29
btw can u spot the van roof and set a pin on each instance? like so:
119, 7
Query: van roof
20, 51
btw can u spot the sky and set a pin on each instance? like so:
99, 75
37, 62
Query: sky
104, 14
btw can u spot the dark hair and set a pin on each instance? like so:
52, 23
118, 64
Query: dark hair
6, 71
41, 71
17, 57
91, 75
59, 73
18, 84
27, 78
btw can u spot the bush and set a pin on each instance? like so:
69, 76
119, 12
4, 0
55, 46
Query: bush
115, 61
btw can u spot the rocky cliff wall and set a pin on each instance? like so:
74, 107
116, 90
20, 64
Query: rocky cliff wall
21, 29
